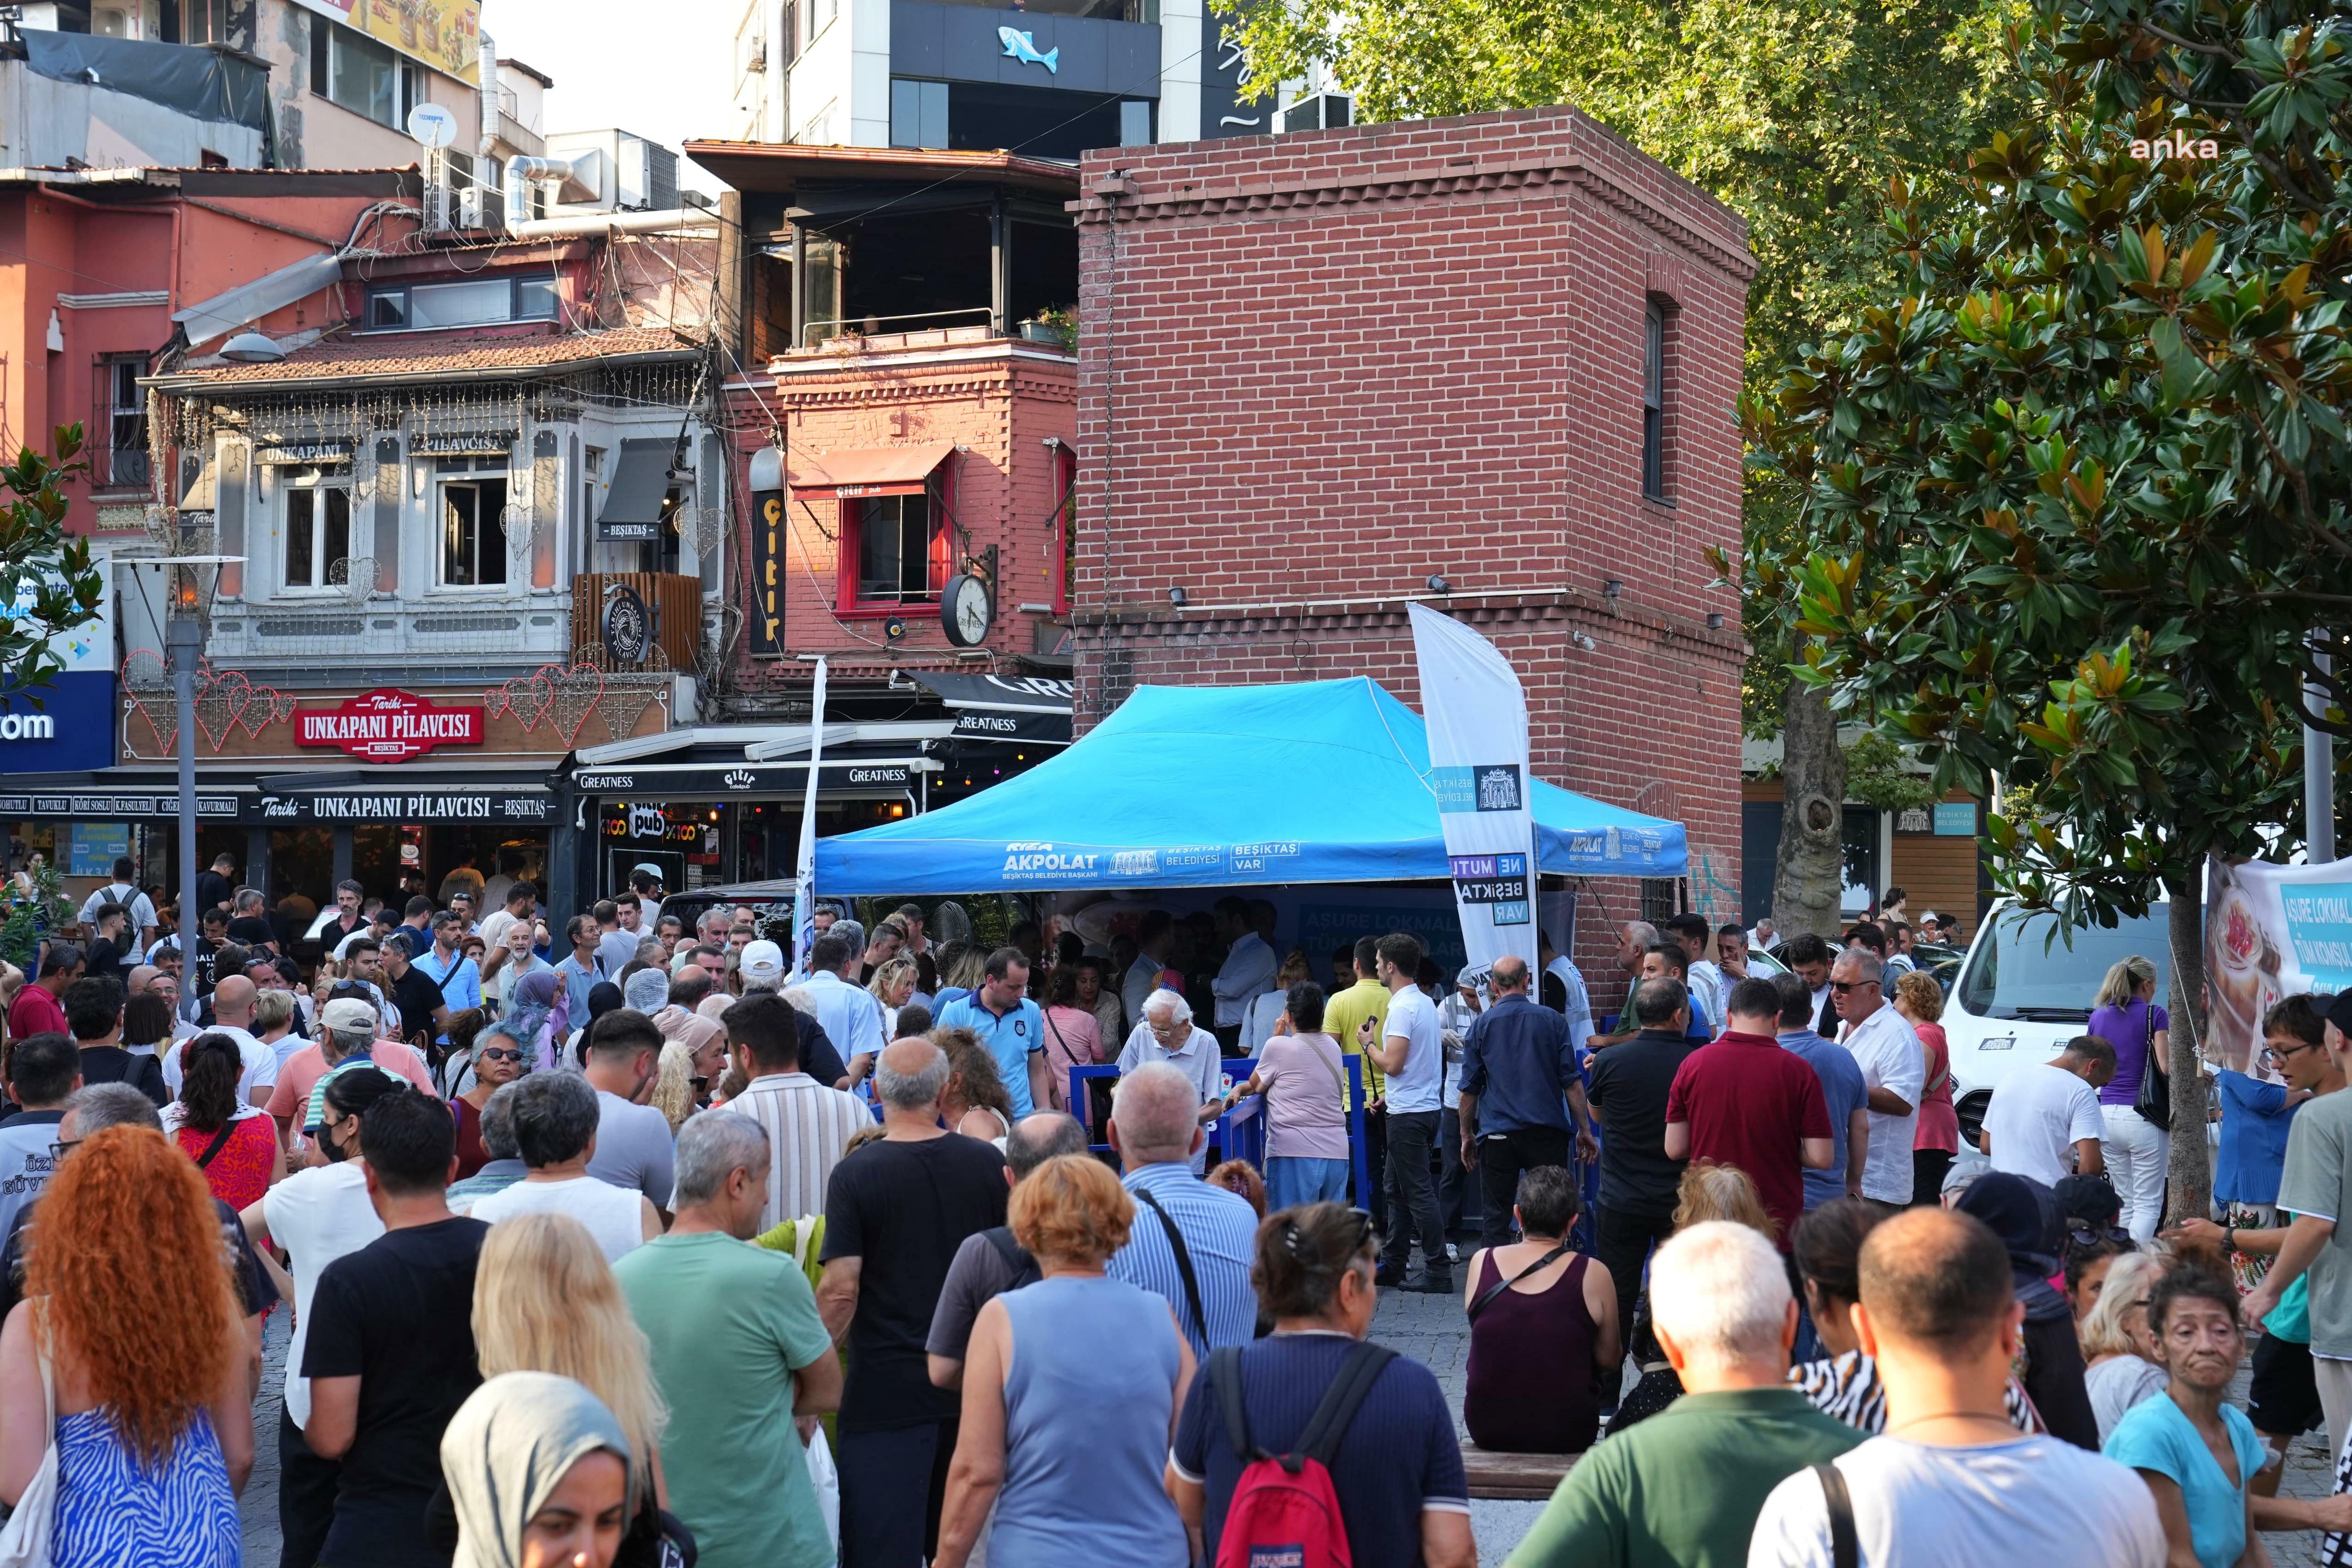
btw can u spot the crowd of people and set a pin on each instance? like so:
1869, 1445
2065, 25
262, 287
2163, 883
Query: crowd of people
614, 1240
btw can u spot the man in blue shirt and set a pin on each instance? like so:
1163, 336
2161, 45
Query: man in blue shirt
1002, 1017
578, 972
850, 1013
1842, 1087
1520, 1059
1155, 1125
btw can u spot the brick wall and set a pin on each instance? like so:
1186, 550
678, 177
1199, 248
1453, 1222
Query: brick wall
1317, 369
997, 404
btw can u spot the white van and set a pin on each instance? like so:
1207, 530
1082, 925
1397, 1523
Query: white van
2023, 992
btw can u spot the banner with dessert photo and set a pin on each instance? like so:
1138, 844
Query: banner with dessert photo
2269, 932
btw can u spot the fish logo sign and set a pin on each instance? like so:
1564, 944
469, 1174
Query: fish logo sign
1022, 46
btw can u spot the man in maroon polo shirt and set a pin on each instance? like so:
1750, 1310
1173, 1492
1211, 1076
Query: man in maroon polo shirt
1746, 1101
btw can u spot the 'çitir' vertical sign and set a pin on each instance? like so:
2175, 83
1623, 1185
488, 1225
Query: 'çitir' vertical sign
767, 628
1477, 719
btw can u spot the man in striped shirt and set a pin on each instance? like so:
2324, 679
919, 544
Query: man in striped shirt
808, 1123
1190, 1242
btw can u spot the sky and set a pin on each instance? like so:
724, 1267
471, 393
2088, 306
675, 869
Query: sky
658, 70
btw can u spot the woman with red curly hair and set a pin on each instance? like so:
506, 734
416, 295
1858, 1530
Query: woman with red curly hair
128, 1307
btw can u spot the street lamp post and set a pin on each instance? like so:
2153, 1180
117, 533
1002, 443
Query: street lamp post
2318, 774
183, 639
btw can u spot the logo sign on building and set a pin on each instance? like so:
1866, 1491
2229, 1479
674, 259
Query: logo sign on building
628, 627
1023, 47
387, 726
461, 443
304, 452
1477, 717
767, 628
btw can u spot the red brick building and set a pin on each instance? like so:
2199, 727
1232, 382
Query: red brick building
1318, 371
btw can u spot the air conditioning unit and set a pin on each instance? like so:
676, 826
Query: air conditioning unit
1323, 112
618, 171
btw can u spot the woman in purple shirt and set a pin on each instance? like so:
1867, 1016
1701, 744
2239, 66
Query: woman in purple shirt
2127, 1018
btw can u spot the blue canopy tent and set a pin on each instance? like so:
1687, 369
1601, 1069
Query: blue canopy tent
1219, 786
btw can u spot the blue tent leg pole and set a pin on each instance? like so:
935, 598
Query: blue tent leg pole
1356, 1133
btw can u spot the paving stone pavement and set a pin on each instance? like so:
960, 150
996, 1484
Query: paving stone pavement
1430, 1329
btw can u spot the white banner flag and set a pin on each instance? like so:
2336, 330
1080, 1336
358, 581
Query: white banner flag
1477, 719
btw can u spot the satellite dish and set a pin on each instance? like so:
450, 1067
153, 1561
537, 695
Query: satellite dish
433, 125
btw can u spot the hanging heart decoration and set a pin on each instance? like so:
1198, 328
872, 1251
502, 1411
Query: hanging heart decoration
527, 697
269, 706
221, 701
147, 683
577, 690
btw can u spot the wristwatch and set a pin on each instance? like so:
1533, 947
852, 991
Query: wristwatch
2230, 1238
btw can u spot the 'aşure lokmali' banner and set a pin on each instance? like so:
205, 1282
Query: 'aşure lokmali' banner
1477, 719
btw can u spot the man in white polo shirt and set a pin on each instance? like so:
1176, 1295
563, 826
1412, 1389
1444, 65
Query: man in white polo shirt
2044, 1120
1411, 1052
1894, 1070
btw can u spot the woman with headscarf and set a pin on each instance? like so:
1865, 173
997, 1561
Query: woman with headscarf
534, 1015
538, 1472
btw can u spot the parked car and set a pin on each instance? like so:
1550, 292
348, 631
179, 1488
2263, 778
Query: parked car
2025, 989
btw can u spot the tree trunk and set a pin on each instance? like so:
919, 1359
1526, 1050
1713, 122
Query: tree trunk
1808, 873
2190, 1172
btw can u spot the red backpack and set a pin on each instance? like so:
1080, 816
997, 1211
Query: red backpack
1285, 1513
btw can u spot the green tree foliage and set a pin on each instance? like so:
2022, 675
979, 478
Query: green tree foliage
2074, 494
47, 582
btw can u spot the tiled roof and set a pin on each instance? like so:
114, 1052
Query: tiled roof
364, 357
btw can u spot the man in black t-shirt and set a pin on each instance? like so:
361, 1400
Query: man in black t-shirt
895, 1211
250, 925
214, 886
413, 991
390, 1354
114, 953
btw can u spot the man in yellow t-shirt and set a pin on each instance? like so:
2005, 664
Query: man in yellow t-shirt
1345, 1012
1344, 1016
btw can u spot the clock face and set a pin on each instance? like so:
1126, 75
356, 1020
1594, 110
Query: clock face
972, 610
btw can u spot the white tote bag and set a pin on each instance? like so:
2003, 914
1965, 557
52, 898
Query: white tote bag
821, 1475
25, 1540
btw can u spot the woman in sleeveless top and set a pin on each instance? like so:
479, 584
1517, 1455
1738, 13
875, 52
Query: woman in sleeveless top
974, 1102
1069, 1394
139, 1333
1540, 1345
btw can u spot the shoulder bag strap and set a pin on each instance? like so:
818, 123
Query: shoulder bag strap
1329, 1424
1225, 1387
1845, 1546
220, 1142
1337, 1081
1183, 1262
1499, 1286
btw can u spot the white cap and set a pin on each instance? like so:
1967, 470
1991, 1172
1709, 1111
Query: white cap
762, 961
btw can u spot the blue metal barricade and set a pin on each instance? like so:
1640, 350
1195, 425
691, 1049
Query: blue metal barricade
1241, 1133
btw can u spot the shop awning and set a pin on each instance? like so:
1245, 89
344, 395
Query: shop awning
1223, 786
720, 773
640, 480
868, 471
1024, 709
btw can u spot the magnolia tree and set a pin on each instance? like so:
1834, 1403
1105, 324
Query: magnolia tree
47, 582
2073, 499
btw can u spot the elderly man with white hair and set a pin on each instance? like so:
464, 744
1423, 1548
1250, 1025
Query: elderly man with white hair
1685, 1485
1168, 1035
1196, 1243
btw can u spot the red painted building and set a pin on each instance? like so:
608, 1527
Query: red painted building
1318, 371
